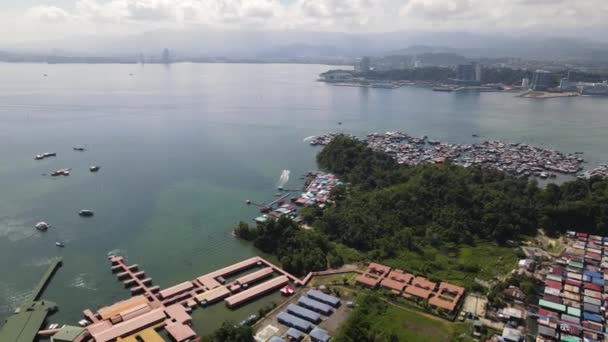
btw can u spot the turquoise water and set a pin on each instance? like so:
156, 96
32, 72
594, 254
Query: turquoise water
182, 147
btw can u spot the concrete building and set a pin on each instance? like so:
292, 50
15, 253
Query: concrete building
541, 80
364, 65
166, 56
466, 72
478, 72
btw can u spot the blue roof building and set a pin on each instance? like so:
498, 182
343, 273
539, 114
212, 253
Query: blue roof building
294, 322
304, 313
313, 305
323, 298
319, 335
294, 334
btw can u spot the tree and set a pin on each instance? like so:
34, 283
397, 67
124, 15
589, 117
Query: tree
229, 332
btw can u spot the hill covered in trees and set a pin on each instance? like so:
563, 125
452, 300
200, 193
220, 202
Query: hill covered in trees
395, 212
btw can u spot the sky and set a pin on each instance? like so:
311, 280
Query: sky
35, 20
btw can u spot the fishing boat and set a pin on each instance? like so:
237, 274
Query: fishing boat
42, 226
78, 148
60, 172
49, 154
39, 157
86, 213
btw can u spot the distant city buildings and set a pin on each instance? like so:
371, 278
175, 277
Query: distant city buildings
525, 83
364, 65
336, 76
166, 56
468, 74
542, 80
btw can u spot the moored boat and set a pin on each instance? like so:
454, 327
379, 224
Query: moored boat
86, 213
42, 226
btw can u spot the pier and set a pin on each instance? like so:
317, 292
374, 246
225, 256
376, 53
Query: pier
24, 324
133, 278
271, 204
169, 309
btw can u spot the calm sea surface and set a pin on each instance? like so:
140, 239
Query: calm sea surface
182, 147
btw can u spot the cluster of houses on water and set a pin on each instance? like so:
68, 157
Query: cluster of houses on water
599, 171
317, 191
514, 158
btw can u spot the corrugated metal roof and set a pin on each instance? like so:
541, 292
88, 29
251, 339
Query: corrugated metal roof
574, 311
294, 334
294, 322
323, 298
319, 335
551, 305
303, 313
546, 331
314, 305
592, 317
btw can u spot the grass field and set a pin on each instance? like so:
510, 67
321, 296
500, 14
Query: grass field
388, 322
458, 264
413, 326
334, 279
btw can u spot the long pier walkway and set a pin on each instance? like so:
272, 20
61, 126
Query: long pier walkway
46, 278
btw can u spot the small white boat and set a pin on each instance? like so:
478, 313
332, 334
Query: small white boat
94, 168
42, 226
59, 244
83, 322
86, 213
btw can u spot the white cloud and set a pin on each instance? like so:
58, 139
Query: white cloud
119, 16
48, 14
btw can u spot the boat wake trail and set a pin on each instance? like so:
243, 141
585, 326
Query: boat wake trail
283, 179
308, 138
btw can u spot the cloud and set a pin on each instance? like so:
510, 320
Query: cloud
48, 14
119, 16
437, 9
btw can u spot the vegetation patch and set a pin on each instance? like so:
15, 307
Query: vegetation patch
374, 319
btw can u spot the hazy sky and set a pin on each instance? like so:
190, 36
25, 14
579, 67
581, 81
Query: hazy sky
26, 20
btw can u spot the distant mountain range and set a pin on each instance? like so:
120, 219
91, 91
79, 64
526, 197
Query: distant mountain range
316, 45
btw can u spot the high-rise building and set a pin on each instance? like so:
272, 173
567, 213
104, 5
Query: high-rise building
166, 56
466, 72
525, 83
478, 72
363, 66
542, 80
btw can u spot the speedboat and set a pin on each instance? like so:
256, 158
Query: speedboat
39, 157
49, 154
94, 168
59, 244
42, 226
86, 213
79, 149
